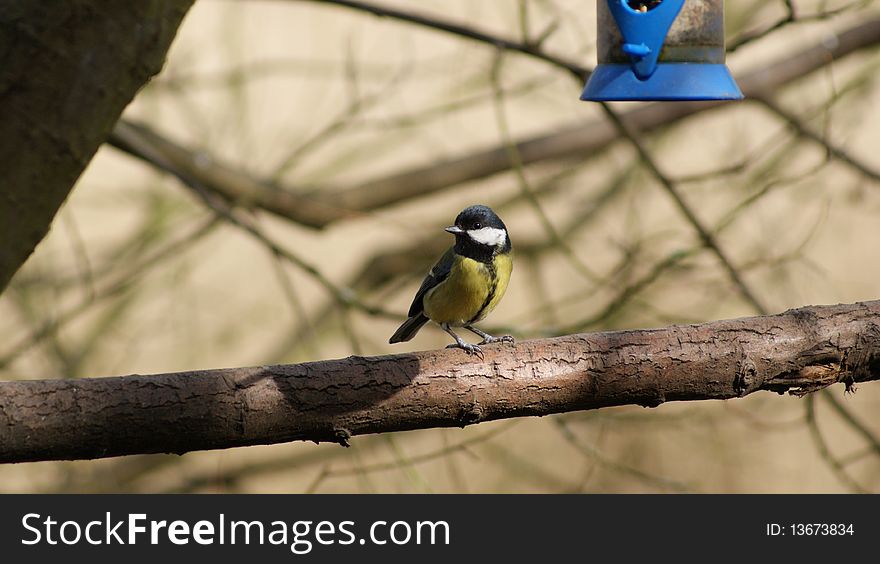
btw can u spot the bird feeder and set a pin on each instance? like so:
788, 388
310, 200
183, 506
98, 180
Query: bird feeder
661, 50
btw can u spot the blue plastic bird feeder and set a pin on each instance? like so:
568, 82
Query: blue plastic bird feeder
661, 50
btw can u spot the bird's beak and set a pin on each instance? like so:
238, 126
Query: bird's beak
455, 230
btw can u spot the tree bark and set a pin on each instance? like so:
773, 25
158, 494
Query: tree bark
67, 70
798, 351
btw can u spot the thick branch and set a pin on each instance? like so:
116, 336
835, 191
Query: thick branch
230, 183
67, 70
797, 352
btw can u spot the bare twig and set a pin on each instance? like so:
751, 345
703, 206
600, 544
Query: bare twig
116, 286
791, 16
839, 471
461, 30
525, 186
703, 232
802, 130
852, 421
600, 459
420, 458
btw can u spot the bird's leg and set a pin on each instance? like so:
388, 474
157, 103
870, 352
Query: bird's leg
461, 344
487, 338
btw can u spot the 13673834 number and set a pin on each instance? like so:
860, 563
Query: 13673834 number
821, 529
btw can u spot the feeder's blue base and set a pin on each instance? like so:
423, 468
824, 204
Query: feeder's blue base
670, 81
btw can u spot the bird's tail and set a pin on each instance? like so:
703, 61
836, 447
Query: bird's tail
409, 329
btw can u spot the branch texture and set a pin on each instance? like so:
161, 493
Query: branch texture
67, 70
798, 351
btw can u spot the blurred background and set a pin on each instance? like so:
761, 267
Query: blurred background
344, 142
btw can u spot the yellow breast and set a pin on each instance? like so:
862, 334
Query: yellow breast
503, 268
471, 291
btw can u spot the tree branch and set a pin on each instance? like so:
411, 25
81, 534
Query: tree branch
799, 351
67, 70
232, 184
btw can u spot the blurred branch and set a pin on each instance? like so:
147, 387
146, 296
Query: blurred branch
223, 478
802, 130
798, 352
751, 36
115, 286
235, 186
426, 457
703, 232
590, 138
61, 90
532, 49
625, 293
852, 421
822, 446
526, 190
317, 207
592, 453
339, 123
529, 469
791, 16
343, 295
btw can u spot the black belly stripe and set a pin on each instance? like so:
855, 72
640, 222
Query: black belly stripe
493, 274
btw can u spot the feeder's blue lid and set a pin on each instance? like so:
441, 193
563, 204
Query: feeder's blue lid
670, 81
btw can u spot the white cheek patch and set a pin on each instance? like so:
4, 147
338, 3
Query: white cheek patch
491, 236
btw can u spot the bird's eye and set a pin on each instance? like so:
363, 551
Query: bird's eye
478, 225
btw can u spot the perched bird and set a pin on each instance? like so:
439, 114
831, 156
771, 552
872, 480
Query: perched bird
467, 282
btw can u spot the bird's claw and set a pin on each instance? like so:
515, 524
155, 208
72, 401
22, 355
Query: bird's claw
468, 348
502, 339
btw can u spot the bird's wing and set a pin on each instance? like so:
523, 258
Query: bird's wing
439, 273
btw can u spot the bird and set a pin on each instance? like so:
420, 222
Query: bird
468, 281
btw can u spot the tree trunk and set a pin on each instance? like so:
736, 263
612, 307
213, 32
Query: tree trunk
67, 70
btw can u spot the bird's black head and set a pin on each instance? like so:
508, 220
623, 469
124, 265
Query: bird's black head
479, 233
